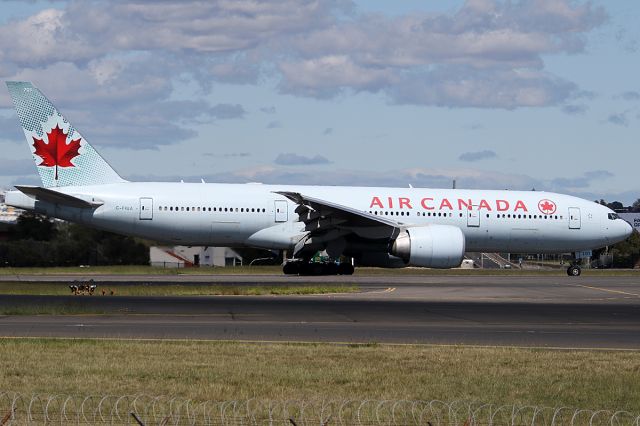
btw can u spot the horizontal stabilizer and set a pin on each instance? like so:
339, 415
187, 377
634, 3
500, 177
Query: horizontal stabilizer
55, 197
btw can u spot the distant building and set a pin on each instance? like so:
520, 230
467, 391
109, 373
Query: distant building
8, 217
185, 257
632, 218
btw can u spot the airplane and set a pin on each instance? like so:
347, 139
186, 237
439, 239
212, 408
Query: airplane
371, 226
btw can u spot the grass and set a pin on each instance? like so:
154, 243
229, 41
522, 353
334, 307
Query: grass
143, 289
277, 270
50, 309
226, 370
140, 270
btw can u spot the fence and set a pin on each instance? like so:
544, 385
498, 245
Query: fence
17, 409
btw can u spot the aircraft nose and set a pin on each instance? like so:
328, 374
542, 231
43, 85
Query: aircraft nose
628, 229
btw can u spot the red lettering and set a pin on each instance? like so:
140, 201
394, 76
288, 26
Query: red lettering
502, 205
445, 203
468, 205
520, 205
390, 202
376, 202
484, 205
405, 202
423, 202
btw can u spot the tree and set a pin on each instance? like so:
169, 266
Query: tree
635, 207
626, 254
38, 241
31, 226
616, 205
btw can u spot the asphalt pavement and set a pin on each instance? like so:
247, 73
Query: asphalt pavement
536, 311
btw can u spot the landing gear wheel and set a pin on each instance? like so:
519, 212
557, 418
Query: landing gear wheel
291, 268
317, 269
345, 269
574, 271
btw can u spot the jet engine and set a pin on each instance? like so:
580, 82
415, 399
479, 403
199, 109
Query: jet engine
432, 246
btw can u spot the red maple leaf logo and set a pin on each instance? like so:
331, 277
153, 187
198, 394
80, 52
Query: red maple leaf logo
547, 206
56, 152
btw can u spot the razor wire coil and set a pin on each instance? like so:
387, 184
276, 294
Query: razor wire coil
60, 409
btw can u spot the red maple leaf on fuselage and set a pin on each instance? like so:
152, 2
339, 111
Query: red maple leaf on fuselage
547, 207
56, 152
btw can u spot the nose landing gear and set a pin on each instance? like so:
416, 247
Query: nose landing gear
574, 271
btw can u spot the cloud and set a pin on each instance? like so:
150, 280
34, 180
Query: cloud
268, 110
274, 125
474, 126
598, 174
327, 131
580, 182
291, 159
226, 111
619, 119
228, 154
11, 130
630, 95
400, 178
16, 167
477, 156
485, 54
572, 109
463, 86
132, 108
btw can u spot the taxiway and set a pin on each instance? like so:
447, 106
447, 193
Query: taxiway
537, 311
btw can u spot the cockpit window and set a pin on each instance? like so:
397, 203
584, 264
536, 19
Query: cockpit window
613, 216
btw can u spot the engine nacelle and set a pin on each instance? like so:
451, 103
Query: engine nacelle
432, 246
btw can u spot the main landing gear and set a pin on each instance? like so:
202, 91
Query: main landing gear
301, 267
574, 269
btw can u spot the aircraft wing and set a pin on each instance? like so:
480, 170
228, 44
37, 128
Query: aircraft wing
326, 221
55, 197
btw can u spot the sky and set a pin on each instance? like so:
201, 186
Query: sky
525, 94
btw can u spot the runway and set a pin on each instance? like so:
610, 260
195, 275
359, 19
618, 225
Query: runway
536, 311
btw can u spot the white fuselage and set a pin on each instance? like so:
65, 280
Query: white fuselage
254, 215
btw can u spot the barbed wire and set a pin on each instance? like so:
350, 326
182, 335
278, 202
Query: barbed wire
37, 409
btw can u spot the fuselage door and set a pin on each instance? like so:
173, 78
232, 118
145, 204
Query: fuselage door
146, 208
473, 218
282, 210
574, 218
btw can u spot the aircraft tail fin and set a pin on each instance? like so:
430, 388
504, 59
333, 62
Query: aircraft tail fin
63, 157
